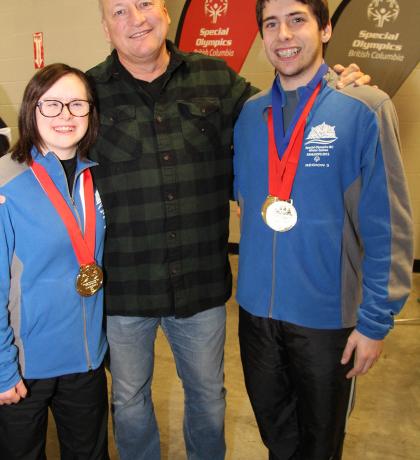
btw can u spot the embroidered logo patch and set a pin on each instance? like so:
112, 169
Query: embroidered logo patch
319, 146
100, 206
321, 135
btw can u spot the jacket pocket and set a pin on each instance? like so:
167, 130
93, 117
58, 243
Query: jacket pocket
201, 120
119, 137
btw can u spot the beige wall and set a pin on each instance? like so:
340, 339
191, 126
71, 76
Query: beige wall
72, 34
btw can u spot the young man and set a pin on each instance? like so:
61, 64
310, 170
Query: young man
326, 237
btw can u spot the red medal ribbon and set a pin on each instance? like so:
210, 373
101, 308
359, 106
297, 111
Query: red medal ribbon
84, 246
282, 171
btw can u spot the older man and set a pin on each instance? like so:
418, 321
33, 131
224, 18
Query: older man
165, 179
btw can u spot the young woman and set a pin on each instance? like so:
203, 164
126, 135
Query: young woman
52, 341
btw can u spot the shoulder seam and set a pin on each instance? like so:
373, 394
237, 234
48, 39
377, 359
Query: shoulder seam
10, 169
373, 103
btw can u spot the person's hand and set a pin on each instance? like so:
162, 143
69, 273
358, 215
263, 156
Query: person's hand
367, 352
14, 395
350, 75
2, 199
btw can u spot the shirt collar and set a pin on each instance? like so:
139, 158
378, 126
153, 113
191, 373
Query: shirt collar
303, 91
114, 69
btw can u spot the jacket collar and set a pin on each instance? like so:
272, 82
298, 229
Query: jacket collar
50, 161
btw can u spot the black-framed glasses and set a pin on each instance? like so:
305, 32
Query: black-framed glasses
51, 108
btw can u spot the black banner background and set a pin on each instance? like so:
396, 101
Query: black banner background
381, 36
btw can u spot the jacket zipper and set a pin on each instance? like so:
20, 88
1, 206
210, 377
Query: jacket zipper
273, 277
85, 340
82, 300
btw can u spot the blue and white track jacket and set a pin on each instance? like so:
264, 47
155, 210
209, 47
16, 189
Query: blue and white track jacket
46, 328
348, 260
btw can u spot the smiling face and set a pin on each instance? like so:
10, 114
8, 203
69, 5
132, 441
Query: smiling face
137, 29
293, 41
61, 134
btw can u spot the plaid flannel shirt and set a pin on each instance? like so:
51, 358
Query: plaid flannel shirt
165, 179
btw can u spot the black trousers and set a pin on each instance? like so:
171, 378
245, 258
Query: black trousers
79, 404
297, 387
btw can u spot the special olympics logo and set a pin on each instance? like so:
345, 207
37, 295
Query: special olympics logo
215, 9
382, 11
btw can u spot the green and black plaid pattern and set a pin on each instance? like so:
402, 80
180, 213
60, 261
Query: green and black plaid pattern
164, 175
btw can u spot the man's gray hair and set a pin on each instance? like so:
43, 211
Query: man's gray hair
101, 6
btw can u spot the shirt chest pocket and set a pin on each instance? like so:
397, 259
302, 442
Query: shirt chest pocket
119, 135
201, 120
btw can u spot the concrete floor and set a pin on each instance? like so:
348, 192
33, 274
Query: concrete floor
385, 424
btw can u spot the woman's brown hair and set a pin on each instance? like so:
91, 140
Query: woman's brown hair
28, 130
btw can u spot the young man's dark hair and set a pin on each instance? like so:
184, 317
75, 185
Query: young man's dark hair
318, 7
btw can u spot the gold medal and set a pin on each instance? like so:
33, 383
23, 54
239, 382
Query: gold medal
279, 215
89, 280
90, 277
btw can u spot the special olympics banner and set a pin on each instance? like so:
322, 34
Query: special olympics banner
220, 28
382, 36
